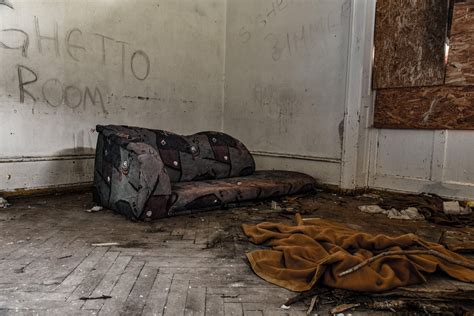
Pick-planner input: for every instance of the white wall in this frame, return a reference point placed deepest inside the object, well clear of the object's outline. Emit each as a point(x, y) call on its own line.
point(286, 68)
point(285, 91)
point(424, 161)
point(299, 100)
point(155, 63)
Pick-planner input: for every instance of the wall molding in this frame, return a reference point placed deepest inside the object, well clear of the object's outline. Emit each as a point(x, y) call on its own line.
point(361, 25)
point(47, 190)
point(295, 156)
point(45, 158)
point(92, 156)
point(447, 189)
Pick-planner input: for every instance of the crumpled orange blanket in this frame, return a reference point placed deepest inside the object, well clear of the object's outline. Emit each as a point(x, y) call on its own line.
point(318, 250)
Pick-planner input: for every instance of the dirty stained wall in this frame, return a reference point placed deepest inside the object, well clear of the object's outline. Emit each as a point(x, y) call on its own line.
point(69, 65)
point(286, 67)
point(161, 64)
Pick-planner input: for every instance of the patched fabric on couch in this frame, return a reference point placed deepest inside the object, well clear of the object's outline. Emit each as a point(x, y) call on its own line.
point(148, 174)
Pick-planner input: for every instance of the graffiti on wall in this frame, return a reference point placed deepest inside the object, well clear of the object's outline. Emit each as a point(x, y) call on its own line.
point(77, 47)
point(6, 3)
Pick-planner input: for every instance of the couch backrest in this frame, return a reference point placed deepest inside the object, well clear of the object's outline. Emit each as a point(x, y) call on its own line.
point(202, 156)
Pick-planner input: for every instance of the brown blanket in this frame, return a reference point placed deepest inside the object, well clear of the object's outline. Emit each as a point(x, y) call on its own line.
point(317, 251)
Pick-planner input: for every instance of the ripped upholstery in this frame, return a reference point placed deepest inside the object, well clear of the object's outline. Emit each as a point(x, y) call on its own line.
point(148, 174)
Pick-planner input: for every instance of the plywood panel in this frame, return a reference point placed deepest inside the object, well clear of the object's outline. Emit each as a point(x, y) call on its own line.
point(460, 70)
point(410, 38)
point(463, 17)
point(440, 107)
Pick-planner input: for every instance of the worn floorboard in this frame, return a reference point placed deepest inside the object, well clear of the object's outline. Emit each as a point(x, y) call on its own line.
point(193, 265)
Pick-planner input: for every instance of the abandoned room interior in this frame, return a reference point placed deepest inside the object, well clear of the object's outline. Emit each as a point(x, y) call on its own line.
point(236, 157)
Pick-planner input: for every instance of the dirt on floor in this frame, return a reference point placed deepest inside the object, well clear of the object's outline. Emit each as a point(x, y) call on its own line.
point(194, 263)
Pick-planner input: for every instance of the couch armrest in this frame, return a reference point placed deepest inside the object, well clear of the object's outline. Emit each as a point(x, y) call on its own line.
point(127, 186)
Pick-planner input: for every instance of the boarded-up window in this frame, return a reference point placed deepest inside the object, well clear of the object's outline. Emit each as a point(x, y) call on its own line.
point(410, 39)
point(460, 70)
point(448, 104)
point(440, 107)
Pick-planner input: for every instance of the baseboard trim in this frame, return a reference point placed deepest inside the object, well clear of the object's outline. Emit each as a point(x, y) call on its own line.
point(45, 158)
point(295, 156)
point(59, 189)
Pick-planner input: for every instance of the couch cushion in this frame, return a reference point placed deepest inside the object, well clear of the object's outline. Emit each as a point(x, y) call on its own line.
point(190, 197)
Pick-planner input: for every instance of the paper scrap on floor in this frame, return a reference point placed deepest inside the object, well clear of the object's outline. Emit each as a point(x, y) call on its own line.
point(410, 213)
point(4, 203)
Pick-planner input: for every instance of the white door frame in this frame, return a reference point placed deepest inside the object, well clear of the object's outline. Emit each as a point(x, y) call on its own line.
point(359, 96)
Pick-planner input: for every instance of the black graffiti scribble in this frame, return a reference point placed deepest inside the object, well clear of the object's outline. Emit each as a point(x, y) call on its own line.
point(7, 3)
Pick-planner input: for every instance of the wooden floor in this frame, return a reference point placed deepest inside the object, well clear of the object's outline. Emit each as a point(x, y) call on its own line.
point(192, 265)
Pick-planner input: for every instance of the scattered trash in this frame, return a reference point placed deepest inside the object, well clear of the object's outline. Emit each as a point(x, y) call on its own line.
point(342, 308)
point(310, 218)
point(416, 305)
point(95, 209)
point(371, 196)
point(103, 297)
point(20, 270)
point(285, 307)
point(470, 203)
point(312, 305)
point(410, 213)
point(64, 257)
point(275, 206)
point(391, 305)
point(372, 209)
point(290, 210)
point(293, 199)
point(402, 301)
point(229, 296)
point(4, 203)
point(459, 240)
point(106, 244)
point(430, 206)
point(451, 207)
point(454, 208)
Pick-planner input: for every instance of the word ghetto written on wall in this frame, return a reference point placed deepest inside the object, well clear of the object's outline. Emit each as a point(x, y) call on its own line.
point(54, 92)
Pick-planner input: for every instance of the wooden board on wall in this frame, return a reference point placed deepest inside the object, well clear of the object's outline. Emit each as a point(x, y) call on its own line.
point(440, 107)
point(410, 39)
point(463, 16)
point(460, 70)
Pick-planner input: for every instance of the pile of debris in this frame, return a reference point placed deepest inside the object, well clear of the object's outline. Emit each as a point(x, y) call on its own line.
point(435, 301)
point(4, 203)
point(410, 213)
point(430, 207)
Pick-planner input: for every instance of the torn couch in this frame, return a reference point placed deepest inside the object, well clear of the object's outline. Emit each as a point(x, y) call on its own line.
point(148, 174)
